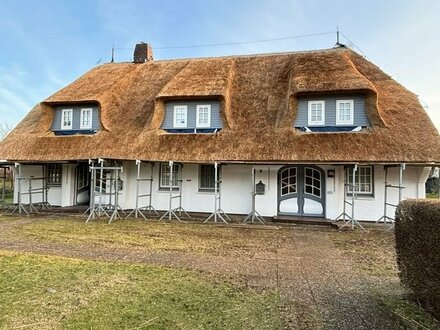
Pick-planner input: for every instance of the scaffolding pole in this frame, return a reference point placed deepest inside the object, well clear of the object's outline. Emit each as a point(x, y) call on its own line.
point(173, 212)
point(253, 216)
point(116, 207)
point(97, 210)
point(344, 215)
point(3, 178)
point(19, 207)
point(92, 187)
point(218, 212)
point(148, 181)
point(385, 217)
point(352, 220)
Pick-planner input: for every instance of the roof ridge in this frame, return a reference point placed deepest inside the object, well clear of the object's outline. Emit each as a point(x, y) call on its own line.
point(286, 53)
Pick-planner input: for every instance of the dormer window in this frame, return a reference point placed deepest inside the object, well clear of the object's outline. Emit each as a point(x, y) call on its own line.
point(66, 118)
point(203, 116)
point(199, 116)
point(344, 112)
point(86, 118)
point(331, 113)
point(316, 113)
point(180, 116)
point(72, 119)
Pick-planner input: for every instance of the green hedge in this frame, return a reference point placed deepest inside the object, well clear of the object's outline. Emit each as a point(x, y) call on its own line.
point(418, 250)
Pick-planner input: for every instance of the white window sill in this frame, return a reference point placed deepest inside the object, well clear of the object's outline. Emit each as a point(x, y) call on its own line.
point(201, 192)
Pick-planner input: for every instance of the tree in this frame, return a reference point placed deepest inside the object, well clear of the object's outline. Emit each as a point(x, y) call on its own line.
point(4, 130)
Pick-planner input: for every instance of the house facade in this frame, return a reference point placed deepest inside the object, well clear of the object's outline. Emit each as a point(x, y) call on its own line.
point(312, 134)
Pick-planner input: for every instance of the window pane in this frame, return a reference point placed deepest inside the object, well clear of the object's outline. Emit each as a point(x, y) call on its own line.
point(67, 118)
point(288, 181)
point(54, 172)
point(363, 180)
point(180, 116)
point(207, 177)
point(165, 176)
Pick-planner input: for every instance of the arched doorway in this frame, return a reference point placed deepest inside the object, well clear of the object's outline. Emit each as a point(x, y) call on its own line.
point(301, 191)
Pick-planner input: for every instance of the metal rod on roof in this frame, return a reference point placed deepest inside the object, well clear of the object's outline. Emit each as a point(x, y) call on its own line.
point(337, 35)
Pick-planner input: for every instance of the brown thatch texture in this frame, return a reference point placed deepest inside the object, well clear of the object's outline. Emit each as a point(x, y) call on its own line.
point(258, 96)
point(192, 80)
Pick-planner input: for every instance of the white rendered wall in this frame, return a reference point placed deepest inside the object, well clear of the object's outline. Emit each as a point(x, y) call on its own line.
point(54, 194)
point(236, 189)
point(372, 208)
point(68, 185)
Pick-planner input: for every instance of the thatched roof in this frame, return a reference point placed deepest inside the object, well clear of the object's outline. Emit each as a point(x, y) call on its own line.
point(258, 95)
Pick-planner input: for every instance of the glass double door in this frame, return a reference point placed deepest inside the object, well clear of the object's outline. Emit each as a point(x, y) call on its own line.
point(301, 191)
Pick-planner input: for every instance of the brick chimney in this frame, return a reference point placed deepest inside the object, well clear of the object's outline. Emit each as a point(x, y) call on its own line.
point(142, 53)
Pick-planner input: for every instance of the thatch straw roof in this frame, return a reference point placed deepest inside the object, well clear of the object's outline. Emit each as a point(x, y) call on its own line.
point(258, 95)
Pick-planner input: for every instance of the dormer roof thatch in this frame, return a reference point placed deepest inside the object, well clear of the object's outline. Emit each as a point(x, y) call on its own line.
point(258, 95)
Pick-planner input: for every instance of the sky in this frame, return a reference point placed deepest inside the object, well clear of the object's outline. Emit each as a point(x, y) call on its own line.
point(47, 44)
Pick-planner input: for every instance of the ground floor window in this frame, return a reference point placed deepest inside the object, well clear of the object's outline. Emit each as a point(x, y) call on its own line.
point(101, 182)
point(83, 177)
point(54, 174)
point(207, 177)
point(164, 175)
point(364, 183)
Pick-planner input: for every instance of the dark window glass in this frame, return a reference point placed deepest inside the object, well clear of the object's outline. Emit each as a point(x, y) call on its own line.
point(207, 178)
point(54, 174)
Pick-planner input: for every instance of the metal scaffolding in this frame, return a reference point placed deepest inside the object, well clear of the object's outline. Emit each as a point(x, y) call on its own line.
point(109, 184)
point(385, 217)
point(253, 216)
point(172, 212)
point(218, 212)
point(3, 179)
point(31, 192)
point(350, 201)
point(148, 182)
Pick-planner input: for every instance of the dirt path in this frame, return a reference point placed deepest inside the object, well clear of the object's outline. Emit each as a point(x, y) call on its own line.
point(319, 287)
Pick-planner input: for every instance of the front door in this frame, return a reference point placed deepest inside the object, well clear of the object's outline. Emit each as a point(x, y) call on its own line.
point(301, 191)
point(82, 184)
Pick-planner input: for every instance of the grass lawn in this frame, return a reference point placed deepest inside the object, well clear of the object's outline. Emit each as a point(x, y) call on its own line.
point(8, 197)
point(40, 292)
point(140, 235)
point(373, 252)
point(432, 195)
point(103, 295)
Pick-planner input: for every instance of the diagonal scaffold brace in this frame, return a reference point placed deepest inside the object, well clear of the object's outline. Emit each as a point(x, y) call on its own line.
point(218, 213)
point(254, 216)
point(142, 210)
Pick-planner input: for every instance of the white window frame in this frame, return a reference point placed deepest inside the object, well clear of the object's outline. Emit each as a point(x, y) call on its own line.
point(345, 122)
point(180, 125)
point(358, 191)
point(83, 110)
point(309, 110)
point(62, 119)
point(198, 108)
point(177, 175)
